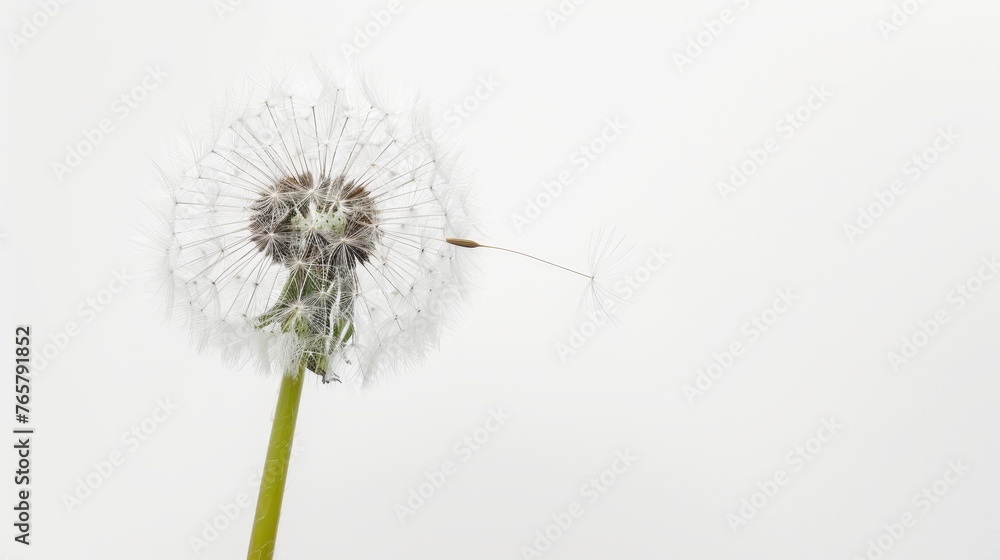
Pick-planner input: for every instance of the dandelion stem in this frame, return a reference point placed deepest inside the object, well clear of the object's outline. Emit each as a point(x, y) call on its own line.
point(279, 451)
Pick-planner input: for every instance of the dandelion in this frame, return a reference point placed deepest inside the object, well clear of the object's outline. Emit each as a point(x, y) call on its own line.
point(309, 229)
point(316, 228)
point(306, 233)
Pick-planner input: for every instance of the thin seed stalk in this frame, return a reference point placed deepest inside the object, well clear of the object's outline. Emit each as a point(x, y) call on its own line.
point(279, 451)
point(300, 284)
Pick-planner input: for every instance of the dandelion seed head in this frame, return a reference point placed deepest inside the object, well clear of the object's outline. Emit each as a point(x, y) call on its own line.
point(309, 224)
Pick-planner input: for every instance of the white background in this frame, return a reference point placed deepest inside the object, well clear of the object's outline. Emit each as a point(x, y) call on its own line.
point(623, 389)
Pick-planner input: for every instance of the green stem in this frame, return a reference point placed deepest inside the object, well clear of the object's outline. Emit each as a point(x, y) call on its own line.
point(272, 483)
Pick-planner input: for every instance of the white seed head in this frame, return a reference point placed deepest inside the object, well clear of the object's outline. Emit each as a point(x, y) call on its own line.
point(310, 224)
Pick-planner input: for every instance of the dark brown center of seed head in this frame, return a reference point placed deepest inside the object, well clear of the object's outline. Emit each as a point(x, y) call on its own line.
point(304, 221)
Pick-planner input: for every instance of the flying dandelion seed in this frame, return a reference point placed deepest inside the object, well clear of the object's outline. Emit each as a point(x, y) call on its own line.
point(609, 253)
point(309, 228)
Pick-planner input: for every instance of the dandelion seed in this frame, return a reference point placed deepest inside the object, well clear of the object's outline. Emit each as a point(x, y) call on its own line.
point(609, 252)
